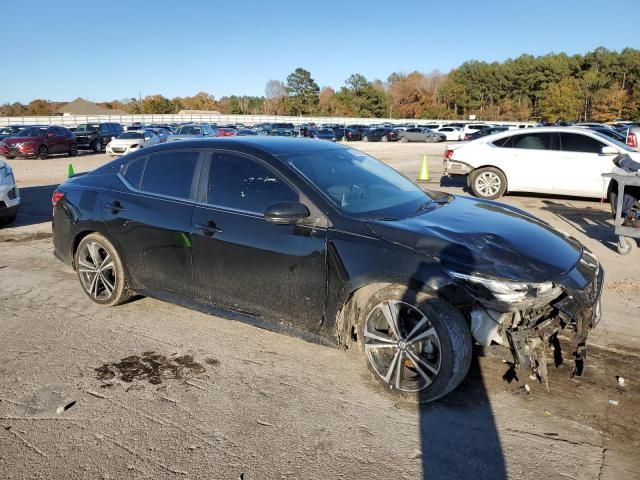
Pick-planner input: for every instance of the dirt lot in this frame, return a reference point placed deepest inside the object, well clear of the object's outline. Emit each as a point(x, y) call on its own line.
point(153, 390)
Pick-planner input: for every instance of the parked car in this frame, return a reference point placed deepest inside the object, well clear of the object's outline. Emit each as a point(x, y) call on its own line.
point(483, 132)
point(9, 194)
point(247, 131)
point(347, 134)
point(382, 134)
point(470, 128)
point(162, 133)
point(11, 130)
point(452, 133)
point(556, 160)
point(95, 136)
point(131, 141)
point(611, 133)
point(420, 135)
point(278, 129)
point(39, 142)
point(227, 132)
point(335, 245)
point(361, 129)
point(324, 134)
point(191, 131)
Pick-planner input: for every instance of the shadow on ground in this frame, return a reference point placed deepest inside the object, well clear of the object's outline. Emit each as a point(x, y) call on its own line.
point(594, 222)
point(35, 205)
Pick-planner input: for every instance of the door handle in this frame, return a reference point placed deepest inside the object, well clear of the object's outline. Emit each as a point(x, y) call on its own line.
point(208, 228)
point(115, 207)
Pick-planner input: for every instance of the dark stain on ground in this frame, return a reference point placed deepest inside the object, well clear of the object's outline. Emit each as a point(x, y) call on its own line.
point(27, 238)
point(212, 361)
point(150, 366)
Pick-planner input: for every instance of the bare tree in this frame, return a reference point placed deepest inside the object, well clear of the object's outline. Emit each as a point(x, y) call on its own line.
point(275, 93)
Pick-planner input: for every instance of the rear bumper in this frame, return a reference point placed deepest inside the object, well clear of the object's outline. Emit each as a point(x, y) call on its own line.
point(8, 212)
point(454, 167)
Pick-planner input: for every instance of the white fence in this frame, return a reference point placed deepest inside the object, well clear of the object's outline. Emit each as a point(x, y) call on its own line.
point(74, 120)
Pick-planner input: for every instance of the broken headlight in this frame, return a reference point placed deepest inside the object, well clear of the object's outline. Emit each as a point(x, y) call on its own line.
point(502, 290)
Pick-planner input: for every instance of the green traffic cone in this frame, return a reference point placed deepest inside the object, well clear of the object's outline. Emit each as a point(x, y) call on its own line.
point(424, 171)
point(71, 173)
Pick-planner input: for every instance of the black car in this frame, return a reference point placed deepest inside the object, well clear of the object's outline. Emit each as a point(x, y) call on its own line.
point(483, 132)
point(95, 136)
point(323, 134)
point(382, 134)
point(278, 129)
point(347, 134)
point(323, 241)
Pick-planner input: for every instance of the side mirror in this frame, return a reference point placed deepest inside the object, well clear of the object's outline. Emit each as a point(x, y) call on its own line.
point(607, 150)
point(286, 213)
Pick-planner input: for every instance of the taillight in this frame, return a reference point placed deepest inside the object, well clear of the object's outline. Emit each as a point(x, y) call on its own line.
point(632, 140)
point(448, 154)
point(56, 197)
point(467, 137)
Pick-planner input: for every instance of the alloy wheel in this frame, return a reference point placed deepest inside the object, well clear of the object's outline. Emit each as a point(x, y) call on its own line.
point(97, 271)
point(402, 346)
point(488, 184)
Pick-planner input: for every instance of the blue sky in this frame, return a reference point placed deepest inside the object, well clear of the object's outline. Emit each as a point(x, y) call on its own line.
point(73, 48)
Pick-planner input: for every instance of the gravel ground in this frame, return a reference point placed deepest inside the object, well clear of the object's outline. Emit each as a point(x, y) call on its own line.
point(153, 390)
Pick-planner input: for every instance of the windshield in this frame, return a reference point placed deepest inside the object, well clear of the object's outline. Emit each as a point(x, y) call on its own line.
point(359, 184)
point(32, 132)
point(618, 144)
point(188, 130)
point(129, 135)
point(87, 127)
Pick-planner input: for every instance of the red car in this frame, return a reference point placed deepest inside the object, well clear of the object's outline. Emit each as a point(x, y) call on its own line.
point(227, 132)
point(39, 142)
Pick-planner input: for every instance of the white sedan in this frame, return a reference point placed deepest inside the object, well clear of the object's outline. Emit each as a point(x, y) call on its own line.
point(556, 160)
point(9, 194)
point(453, 134)
point(131, 141)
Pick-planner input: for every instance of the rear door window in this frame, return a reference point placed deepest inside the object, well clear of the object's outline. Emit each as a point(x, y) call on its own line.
point(132, 171)
point(575, 142)
point(171, 173)
point(241, 183)
point(529, 141)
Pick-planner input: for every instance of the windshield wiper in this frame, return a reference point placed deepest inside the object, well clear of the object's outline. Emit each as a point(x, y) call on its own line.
point(431, 203)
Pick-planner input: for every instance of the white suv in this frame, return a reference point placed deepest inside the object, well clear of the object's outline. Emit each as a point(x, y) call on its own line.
point(556, 160)
point(9, 194)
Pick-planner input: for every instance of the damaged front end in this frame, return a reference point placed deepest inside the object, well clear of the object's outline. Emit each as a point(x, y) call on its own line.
point(527, 317)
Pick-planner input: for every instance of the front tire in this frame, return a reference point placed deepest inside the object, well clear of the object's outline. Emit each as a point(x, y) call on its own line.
point(488, 183)
point(416, 345)
point(384, 139)
point(43, 152)
point(97, 146)
point(100, 271)
point(73, 150)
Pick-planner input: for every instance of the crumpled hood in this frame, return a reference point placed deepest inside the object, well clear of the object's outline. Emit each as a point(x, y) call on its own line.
point(477, 236)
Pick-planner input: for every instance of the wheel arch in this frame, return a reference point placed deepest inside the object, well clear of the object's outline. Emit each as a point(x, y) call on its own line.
point(358, 294)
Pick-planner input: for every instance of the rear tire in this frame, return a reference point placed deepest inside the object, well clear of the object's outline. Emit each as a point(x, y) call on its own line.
point(384, 139)
point(8, 220)
point(100, 271)
point(404, 140)
point(73, 150)
point(488, 183)
point(9, 157)
point(430, 354)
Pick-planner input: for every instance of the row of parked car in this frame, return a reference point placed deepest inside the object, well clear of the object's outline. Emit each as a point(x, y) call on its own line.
point(40, 141)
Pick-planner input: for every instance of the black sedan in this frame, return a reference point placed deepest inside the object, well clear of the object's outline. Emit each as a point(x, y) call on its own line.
point(382, 134)
point(323, 241)
point(483, 132)
point(347, 134)
point(420, 135)
point(323, 134)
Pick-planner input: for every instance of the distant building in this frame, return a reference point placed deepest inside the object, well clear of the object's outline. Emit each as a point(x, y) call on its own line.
point(199, 112)
point(82, 107)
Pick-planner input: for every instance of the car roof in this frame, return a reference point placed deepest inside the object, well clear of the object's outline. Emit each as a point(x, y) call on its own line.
point(272, 145)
